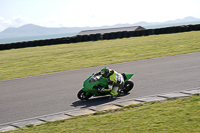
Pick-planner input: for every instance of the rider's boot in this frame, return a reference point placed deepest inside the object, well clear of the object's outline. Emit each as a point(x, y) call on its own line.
point(114, 94)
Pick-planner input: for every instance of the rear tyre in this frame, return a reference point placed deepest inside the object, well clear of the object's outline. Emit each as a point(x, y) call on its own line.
point(82, 95)
point(128, 86)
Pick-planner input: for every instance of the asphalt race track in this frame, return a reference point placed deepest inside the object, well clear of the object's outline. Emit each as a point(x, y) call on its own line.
point(34, 96)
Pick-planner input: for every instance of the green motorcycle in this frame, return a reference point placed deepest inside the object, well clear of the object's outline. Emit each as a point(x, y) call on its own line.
point(92, 85)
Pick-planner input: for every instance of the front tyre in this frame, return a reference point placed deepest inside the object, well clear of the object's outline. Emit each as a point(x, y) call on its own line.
point(128, 86)
point(82, 95)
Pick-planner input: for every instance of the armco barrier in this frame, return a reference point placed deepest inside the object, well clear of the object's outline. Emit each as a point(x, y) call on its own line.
point(78, 38)
point(65, 40)
point(167, 30)
point(144, 32)
point(32, 43)
point(150, 31)
point(131, 33)
point(157, 31)
point(53, 41)
point(24, 44)
point(125, 34)
point(8, 46)
point(106, 36)
point(170, 30)
point(119, 35)
point(28, 44)
point(58, 41)
point(162, 31)
point(11, 45)
point(2, 46)
point(194, 27)
point(112, 35)
point(138, 33)
point(37, 43)
point(92, 37)
point(21, 44)
point(68, 40)
point(180, 29)
point(98, 36)
point(197, 27)
point(85, 38)
point(147, 32)
point(45, 42)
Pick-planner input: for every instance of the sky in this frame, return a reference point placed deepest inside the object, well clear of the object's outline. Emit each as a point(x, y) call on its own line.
point(93, 13)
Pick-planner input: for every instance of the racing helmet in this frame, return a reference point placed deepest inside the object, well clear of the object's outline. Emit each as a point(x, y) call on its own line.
point(105, 72)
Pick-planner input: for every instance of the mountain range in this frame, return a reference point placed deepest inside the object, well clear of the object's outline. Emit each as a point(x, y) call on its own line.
point(35, 30)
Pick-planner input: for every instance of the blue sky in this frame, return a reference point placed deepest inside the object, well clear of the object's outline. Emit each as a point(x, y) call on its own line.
point(80, 13)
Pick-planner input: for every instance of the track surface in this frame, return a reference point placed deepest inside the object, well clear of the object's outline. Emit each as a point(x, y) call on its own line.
point(34, 96)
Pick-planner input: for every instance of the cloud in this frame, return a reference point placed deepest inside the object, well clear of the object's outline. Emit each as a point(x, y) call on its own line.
point(3, 23)
point(19, 20)
point(15, 21)
point(49, 22)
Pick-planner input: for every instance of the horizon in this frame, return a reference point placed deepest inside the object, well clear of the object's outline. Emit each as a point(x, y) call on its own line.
point(90, 13)
point(60, 35)
point(149, 23)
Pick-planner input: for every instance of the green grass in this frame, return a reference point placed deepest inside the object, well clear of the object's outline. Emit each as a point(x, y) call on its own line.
point(31, 61)
point(179, 115)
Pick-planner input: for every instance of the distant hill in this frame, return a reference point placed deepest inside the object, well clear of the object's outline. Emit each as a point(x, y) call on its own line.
point(35, 30)
point(184, 21)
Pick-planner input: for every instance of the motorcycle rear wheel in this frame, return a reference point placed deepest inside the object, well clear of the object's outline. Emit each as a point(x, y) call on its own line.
point(128, 86)
point(82, 95)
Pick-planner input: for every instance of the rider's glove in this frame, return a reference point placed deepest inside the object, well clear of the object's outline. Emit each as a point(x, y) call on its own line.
point(101, 89)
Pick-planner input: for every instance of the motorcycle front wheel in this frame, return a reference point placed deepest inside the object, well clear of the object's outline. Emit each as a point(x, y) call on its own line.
point(82, 95)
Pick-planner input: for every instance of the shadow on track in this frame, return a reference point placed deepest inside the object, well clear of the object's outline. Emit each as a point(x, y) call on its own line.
point(95, 101)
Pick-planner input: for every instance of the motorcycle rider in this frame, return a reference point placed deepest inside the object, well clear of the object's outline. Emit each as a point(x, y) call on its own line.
point(115, 81)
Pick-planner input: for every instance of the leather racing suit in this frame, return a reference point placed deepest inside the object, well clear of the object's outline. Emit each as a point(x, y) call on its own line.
point(115, 81)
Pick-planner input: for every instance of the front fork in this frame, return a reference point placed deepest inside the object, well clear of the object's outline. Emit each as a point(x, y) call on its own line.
point(86, 91)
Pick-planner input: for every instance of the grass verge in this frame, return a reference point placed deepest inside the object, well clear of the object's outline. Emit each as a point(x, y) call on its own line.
point(173, 115)
point(31, 61)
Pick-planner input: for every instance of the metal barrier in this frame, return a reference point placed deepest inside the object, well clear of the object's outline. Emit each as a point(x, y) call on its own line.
point(98, 36)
